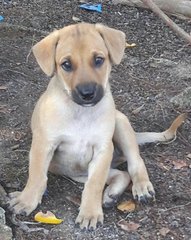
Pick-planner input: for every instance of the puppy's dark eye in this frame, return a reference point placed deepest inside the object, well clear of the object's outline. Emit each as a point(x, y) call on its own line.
point(98, 61)
point(67, 65)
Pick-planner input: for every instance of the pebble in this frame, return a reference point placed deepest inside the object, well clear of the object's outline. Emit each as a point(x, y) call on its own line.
point(5, 231)
point(183, 99)
point(174, 224)
point(2, 216)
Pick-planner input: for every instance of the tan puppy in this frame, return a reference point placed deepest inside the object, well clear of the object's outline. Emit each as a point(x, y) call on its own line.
point(75, 121)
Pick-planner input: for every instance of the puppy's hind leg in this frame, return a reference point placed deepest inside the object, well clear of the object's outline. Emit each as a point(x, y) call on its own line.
point(117, 182)
point(125, 139)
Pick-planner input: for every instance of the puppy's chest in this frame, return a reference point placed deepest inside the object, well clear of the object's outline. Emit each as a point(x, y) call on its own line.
point(81, 137)
point(77, 145)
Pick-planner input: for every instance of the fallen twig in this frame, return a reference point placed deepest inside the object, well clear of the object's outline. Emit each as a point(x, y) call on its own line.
point(22, 28)
point(178, 8)
point(167, 20)
point(23, 225)
point(14, 71)
point(178, 206)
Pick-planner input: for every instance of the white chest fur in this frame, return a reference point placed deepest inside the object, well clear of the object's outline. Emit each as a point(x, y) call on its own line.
point(82, 131)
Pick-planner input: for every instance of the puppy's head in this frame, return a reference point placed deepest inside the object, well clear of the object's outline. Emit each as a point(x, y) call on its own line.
point(81, 56)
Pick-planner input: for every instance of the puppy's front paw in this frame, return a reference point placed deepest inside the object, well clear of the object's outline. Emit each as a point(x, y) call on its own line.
point(143, 191)
point(89, 218)
point(22, 202)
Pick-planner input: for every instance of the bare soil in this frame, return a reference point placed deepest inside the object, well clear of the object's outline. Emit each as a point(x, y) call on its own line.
point(150, 74)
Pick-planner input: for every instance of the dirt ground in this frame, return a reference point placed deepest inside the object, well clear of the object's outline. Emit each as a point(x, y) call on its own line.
point(150, 74)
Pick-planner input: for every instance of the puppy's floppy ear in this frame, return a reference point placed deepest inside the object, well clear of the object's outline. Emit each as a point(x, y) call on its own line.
point(44, 52)
point(114, 41)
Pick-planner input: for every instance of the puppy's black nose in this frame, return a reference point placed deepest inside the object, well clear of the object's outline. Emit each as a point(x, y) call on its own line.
point(86, 91)
point(87, 94)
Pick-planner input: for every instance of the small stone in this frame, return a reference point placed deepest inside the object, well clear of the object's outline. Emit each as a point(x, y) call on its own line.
point(6, 232)
point(3, 196)
point(183, 99)
point(76, 19)
point(2, 216)
point(174, 224)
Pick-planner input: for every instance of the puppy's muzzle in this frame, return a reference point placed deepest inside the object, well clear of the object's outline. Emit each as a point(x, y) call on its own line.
point(87, 94)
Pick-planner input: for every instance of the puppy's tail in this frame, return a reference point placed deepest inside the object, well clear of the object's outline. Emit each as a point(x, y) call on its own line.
point(165, 136)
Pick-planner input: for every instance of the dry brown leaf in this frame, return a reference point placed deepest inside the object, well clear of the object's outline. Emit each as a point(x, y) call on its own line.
point(3, 109)
point(127, 206)
point(164, 231)
point(178, 164)
point(128, 226)
point(3, 87)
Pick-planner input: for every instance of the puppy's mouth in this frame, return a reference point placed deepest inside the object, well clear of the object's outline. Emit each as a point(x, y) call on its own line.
point(87, 94)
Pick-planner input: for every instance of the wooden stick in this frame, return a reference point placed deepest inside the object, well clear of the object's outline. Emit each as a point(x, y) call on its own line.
point(167, 20)
point(178, 8)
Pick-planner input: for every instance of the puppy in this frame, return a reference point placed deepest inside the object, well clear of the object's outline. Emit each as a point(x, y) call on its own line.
point(76, 128)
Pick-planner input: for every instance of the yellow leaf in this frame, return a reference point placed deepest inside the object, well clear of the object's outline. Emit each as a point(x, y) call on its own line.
point(127, 206)
point(128, 45)
point(48, 218)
